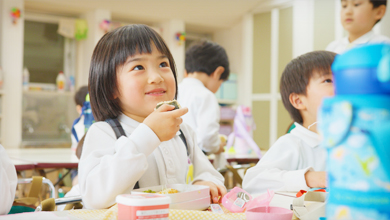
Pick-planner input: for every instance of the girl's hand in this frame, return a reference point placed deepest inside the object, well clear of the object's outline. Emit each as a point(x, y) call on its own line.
point(315, 179)
point(216, 191)
point(165, 122)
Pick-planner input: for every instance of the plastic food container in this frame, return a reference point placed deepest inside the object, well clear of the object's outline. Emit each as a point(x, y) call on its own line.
point(189, 197)
point(152, 206)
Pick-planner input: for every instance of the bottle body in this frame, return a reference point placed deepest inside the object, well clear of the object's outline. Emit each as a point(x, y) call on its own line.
point(355, 130)
point(60, 81)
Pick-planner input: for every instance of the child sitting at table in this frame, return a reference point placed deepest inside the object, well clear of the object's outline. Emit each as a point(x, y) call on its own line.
point(358, 19)
point(131, 71)
point(8, 182)
point(296, 161)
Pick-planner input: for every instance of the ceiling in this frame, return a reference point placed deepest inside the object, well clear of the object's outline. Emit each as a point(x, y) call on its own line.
point(202, 16)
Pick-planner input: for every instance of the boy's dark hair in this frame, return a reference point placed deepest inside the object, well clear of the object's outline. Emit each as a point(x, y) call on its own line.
point(80, 95)
point(111, 52)
point(376, 4)
point(206, 56)
point(297, 74)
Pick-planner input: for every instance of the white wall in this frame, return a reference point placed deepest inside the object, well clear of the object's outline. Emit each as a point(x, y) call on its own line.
point(231, 40)
point(12, 64)
point(86, 47)
point(238, 43)
point(385, 22)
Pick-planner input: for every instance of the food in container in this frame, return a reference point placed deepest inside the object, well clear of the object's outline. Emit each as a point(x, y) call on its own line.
point(143, 206)
point(189, 197)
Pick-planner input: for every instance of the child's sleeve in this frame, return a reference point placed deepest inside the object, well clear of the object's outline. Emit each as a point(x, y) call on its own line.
point(203, 169)
point(207, 118)
point(277, 170)
point(8, 182)
point(109, 166)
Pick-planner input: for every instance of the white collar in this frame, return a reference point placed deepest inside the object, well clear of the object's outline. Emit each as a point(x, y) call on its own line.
point(362, 39)
point(126, 120)
point(310, 138)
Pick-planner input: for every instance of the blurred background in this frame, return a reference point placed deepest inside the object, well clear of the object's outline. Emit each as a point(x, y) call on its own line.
point(41, 38)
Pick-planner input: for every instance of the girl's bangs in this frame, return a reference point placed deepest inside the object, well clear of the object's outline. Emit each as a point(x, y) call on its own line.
point(138, 40)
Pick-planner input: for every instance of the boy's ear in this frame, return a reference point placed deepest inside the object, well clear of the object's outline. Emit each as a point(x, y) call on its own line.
point(217, 72)
point(296, 101)
point(380, 12)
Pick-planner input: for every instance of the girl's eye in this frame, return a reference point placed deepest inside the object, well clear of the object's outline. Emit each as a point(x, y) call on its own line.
point(164, 64)
point(357, 4)
point(139, 67)
point(328, 81)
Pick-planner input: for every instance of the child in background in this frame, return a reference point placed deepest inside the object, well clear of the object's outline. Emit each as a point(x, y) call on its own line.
point(8, 182)
point(79, 98)
point(207, 66)
point(358, 17)
point(131, 71)
point(296, 161)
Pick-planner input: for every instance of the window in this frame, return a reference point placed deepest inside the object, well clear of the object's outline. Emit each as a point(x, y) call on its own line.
point(43, 51)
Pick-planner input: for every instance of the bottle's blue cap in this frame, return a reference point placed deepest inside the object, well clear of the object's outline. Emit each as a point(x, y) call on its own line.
point(363, 70)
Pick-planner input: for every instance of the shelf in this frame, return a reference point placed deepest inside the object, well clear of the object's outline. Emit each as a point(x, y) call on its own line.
point(46, 92)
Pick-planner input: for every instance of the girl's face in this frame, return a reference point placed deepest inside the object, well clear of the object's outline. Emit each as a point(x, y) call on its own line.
point(143, 81)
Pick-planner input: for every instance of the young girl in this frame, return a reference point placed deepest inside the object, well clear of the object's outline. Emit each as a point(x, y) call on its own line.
point(131, 71)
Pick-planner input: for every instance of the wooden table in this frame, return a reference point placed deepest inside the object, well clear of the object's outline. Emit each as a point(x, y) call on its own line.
point(42, 158)
point(238, 158)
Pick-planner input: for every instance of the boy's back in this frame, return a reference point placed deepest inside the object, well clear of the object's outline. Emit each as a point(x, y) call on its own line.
point(203, 115)
point(207, 66)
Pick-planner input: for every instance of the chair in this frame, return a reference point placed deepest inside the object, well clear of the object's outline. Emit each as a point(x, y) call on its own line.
point(290, 127)
point(234, 169)
point(50, 204)
point(29, 203)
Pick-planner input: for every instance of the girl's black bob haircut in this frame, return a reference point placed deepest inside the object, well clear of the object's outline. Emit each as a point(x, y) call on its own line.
point(110, 53)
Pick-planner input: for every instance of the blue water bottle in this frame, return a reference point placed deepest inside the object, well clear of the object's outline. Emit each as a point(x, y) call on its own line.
point(355, 127)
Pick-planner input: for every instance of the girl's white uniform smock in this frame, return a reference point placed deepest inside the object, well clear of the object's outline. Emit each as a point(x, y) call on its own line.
point(8, 182)
point(110, 166)
point(284, 166)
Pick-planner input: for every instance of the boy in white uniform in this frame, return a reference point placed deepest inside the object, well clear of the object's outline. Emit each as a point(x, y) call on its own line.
point(358, 17)
point(207, 66)
point(296, 161)
point(8, 182)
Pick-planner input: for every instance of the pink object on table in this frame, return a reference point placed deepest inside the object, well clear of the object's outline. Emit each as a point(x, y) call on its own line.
point(268, 213)
point(236, 200)
point(142, 206)
point(259, 208)
point(262, 200)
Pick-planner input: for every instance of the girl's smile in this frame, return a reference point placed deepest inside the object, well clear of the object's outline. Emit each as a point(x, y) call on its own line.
point(156, 92)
